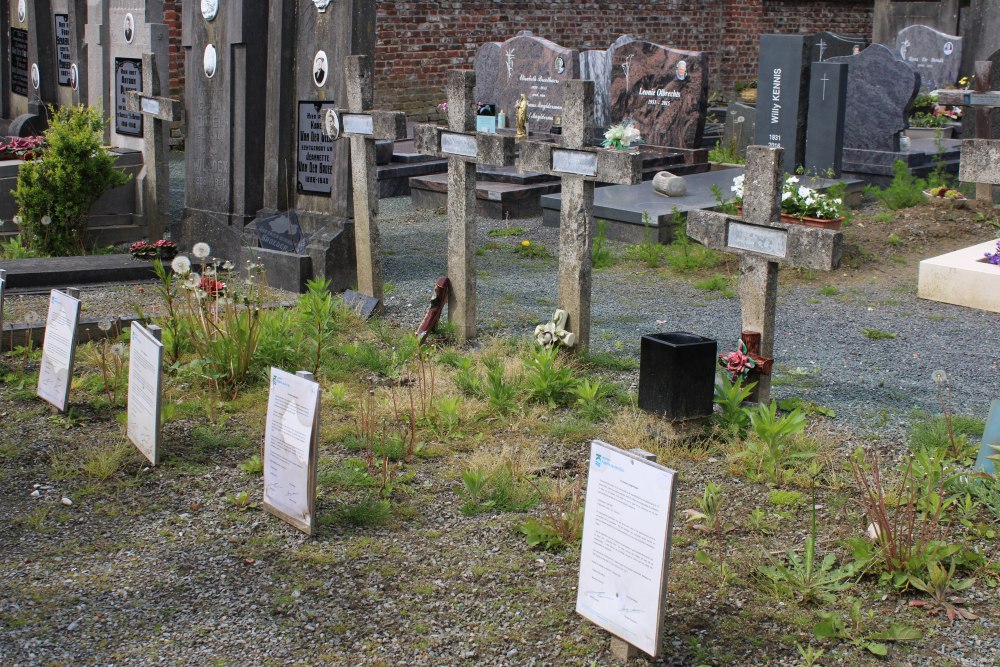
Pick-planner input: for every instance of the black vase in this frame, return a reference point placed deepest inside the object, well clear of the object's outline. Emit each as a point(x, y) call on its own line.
point(677, 374)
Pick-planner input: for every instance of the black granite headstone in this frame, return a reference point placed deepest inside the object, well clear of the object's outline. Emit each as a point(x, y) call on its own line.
point(19, 61)
point(279, 232)
point(782, 86)
point(828, 45)
point(880, 92)
point(128, 76)
point(362, 304)
point(827, 113)
point(935, 55)
point(739, 130)
point(63, 57)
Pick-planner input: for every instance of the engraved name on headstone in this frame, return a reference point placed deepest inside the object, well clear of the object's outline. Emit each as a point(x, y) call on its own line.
point(63, 56)
point(782, 95)
point(128, 77)
point(315, 150)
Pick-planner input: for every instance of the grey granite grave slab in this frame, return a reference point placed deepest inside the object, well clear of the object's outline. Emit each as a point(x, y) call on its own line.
point(827, 114)
point(66, 271)
point(664, 91)
point(739, 129)
point(828, 45)
point(622, 206)
point(538, 68)
point(923, 157)
point(937, 56)
point(880, 92)
point(485, 64)
point(783, 95)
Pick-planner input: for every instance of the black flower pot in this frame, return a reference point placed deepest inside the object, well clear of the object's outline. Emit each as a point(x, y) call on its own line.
point(677, 374)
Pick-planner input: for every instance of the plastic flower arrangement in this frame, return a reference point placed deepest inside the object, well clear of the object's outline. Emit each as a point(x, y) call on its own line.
point(622, 136)
point(798, 201)
point(738, 363)
point(23, 148)
point(994, 257)
point(163, 250)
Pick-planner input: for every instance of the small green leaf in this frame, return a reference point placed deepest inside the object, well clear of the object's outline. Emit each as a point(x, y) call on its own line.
point(878, 649)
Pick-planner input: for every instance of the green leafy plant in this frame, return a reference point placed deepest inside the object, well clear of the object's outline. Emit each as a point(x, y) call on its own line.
point(15, 249)
point(600, 255)
point(500, 393)
point(709, 513)
point(730, 395)
point(774, 448)
point(940, 585)
point(877, 334)
point(562, 523)
point(447, 415)
point(833, 627)
point(532, 250)
point(503, 232)
point(590, 399)
point(55, 193)
point(649, 252)
point(810, 656)
point(682, 255)
point(548, 381)
point(727, 153)
point(322, 316)
point(904, 191)
point(253, 465)
point(723, 204)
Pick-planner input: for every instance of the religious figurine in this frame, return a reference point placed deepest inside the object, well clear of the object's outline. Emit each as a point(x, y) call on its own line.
point(522, 118)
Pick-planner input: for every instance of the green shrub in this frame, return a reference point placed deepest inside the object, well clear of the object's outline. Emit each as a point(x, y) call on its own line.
point(904, 191)
point(55, 192)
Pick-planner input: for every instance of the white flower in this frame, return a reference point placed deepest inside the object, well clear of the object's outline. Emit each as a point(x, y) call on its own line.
point(18, 220)
point(46, 220)
point(118, 349)
point(227, 266)
point(792, 179)
point(192, 281)
point(785, 195)
point(632, 135)
point(181, 265)
point(201, 250)
point(104, 325)
point(939, 376)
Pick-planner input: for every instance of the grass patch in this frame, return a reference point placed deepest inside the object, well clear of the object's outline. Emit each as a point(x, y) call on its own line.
point(504, 232)
point(829, 290)
point(877, 334)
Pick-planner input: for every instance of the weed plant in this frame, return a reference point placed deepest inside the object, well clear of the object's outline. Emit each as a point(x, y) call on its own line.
point(548, 381)
point(601, 257)
point(905, 190)
point(649, 252)
point(775, 447)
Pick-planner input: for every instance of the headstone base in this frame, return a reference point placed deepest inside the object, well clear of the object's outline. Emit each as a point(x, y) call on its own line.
point(923, 157)
point(960, 278)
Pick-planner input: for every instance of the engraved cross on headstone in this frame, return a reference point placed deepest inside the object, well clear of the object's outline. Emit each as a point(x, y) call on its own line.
point(983, 101)
point(464, 149)
point(763, 242)
point(579, 167)
point(364, 126)
point(155, 151)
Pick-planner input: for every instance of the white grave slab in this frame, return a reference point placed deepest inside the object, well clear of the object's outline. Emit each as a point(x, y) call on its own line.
point(59, 349)
point(626, 545)
point(290, 449)
point(960, 278)
point(145, 364)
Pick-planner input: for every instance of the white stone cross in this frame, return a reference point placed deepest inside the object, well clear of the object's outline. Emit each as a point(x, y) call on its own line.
point(763, 242)
point(579, 167)
point(464, 149)
point(364, 127)
point(155, 151)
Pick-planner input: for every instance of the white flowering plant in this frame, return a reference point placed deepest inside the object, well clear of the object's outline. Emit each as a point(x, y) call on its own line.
point(799, 201)
point(622, 136)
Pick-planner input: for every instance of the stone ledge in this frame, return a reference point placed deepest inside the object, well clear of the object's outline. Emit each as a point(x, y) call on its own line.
point(959, 278)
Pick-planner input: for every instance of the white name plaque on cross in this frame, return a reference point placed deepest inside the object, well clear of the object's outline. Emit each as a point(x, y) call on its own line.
point(626, 545)
point(149, 105)
point(574, 162)
point(358, 124)
point(764, 240)
point(459, 144)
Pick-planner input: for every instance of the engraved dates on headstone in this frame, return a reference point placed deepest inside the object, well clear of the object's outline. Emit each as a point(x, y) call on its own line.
point(19, 61)
point(315, 150)
point(937, 56)
point(128, 76)
point(63, 56)
point(782, 95)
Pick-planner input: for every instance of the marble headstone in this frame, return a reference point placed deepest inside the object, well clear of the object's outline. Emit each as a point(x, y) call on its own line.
point(828, 45)
point(880, 92)
point(827, 113)
point(782, 95)
point(596, 66)
point(134, 29)
point(225, 57)
point(486, 62)
point(739, 129)
point(538, 68)
point(665, 91)
point(937, 56)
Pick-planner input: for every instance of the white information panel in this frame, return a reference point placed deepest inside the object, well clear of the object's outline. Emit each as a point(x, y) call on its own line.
point(626, 545)
point(574, 162)
point(59, 349)
point(290, 444)
point(459, 144)
point(765, 240)
point(358, 124)
point(145, 363)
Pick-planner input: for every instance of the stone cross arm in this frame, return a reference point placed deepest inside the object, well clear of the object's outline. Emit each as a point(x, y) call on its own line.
point(161, 108)
point(980, 161)
point(967, 98)
point(783, 243)
point(606, 166)
point(482, 148)
point(377, 125)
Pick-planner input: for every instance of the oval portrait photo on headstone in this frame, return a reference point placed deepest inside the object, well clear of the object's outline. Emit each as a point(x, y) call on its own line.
point(331, 124)
point(320, 68)
point(128, 28)
point(210, 61)
point(74, 77)
point(321, 5)
point(35, 78)
point(22, 10)
point(209, 8)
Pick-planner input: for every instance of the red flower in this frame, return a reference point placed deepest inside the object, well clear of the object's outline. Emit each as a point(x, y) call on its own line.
point(211, 286)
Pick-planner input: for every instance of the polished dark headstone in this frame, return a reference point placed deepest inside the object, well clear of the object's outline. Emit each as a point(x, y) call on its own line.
point(828, 45)
point(279, 232)
point(364, 305)
point(937, 56)
point(538, 68)
point(782, 95)
point(677, 374)
point(827, 113)
point(663, 90)
point(880, 92)
point(739, 131)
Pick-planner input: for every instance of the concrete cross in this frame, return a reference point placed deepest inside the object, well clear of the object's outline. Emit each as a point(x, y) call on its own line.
point(155, 150)
point(364, 127)
point(579, 167)
point(763, 242)
point(977, 150)
point(464, 149)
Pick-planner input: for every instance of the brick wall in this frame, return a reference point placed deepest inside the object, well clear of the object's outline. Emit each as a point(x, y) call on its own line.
point(420, 40)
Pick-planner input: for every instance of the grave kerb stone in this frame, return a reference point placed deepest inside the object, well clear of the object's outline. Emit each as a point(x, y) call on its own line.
point(763, 242)
point(464, 149)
